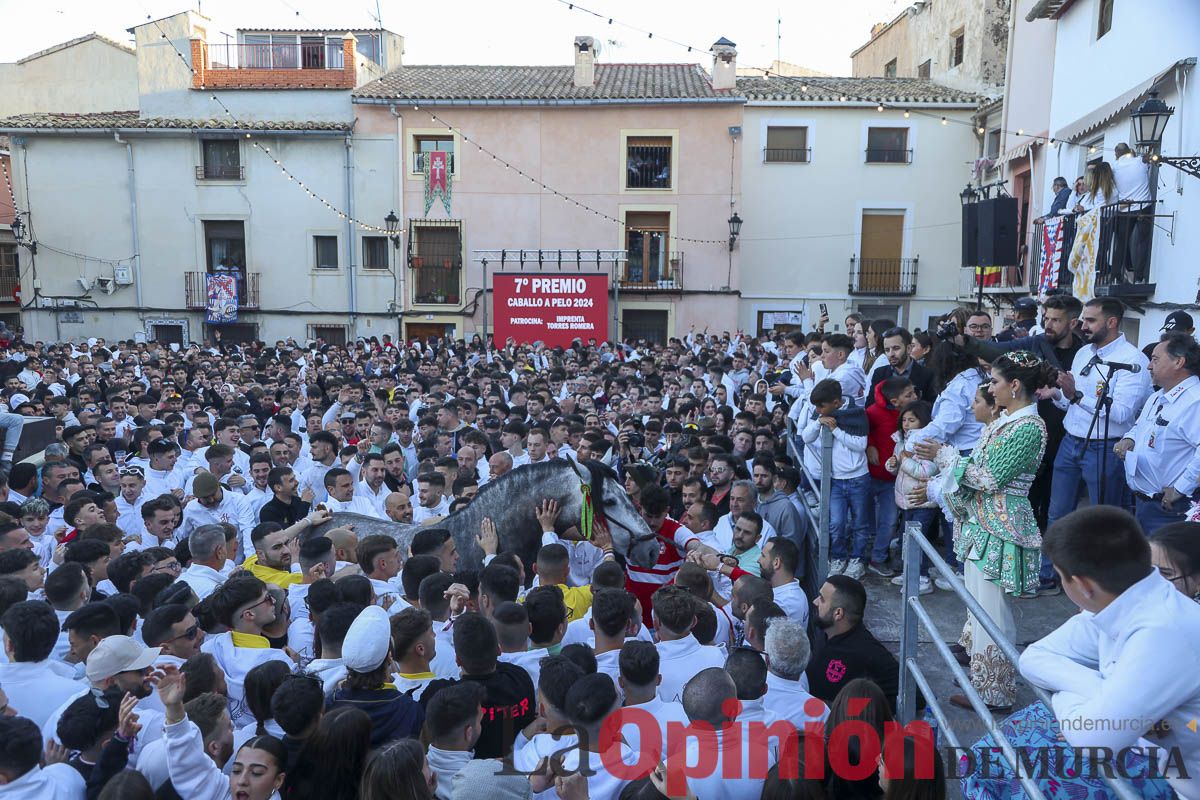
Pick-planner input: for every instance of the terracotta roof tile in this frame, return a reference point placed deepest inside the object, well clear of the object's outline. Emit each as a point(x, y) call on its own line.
point(130, 119)
point(893, 90)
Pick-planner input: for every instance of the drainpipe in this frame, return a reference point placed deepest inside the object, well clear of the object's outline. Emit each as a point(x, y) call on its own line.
point(350, 239)
point(398, 197)
point(133, 219)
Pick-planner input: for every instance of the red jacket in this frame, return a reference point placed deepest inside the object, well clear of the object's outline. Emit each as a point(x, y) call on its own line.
point(882, 420)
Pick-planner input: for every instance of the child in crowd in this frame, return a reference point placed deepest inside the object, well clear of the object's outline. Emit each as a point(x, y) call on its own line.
point(35, 517)
point(914, 473)
point(849, 502)
point(882, 415)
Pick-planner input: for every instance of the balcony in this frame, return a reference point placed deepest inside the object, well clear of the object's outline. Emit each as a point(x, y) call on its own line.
point(883, 276)
point(300, 65)
point(885, 155)
point(1123, 252)
point(787, 155)
point(220, 172)
point(1059, 276)
point(196, 293)
point(651, 276)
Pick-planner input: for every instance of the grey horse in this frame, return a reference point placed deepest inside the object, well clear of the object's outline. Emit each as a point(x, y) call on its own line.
point(511, 503)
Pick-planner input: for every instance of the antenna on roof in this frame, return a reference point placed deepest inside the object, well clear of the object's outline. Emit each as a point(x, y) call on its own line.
point(778, 35)
point(377, 16)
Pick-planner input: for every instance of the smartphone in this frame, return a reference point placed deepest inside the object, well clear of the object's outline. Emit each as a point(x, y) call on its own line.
point(824, 310)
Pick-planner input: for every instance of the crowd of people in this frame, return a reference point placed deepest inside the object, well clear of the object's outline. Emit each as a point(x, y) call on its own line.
point(181, 617)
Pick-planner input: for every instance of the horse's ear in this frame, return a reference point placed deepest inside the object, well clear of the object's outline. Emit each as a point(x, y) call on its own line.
point(584, 474)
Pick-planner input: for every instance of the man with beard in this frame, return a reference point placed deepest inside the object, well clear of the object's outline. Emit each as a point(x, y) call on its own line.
point(777, 564)
point(845, 649)
point(900, 364)
point(394, 467)
point(398, 508)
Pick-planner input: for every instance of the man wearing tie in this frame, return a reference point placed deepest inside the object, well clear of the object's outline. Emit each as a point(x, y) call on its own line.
point(1078, 393)
point(1162, 450)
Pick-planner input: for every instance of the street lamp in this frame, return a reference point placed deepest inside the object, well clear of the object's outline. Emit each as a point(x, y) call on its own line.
point(735, 228)
point(1149, 123)
point(393, 228)
point(18, 229)
point(968, 196)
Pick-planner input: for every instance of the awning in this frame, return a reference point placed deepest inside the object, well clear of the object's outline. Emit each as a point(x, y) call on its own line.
point(1119, 105)
point(1013, 153)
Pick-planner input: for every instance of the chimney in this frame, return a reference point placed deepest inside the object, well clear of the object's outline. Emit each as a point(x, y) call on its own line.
point(724, 71)
point(586, 51)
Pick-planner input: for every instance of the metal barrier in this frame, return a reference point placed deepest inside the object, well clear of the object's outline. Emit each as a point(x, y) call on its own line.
point(913, 617)
point(818, 518)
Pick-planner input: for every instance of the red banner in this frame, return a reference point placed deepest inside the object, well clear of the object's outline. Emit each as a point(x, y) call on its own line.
point(554, 309)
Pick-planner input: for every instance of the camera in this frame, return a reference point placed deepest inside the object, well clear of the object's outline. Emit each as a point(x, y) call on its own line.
point(635, 440)
point(947, 330)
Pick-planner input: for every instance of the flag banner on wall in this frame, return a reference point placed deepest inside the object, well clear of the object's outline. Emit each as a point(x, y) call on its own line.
point(1052, 236)
point(221, 305)
point(437, 179)
point(1083, 255)
point(989, 275)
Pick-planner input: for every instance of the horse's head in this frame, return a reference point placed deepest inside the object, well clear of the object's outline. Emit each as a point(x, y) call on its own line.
point(630, 534)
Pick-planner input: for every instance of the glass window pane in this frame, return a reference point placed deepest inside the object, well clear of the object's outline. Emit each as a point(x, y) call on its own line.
point(326, 252)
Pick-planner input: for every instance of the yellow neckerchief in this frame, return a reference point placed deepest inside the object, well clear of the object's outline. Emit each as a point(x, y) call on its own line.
point(251, 640)
point(416, 676)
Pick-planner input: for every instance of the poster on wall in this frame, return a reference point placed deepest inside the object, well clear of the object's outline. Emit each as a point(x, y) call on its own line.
point(437, 179)
point(554, 309)
point(221, 305)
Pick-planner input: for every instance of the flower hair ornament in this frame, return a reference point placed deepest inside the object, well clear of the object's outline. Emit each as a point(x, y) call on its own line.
point(1023, 358)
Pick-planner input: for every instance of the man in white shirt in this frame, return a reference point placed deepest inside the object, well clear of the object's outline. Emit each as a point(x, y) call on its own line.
point(1135, 222)
point(788, 651)
point(39, 684)
point(708, 699)
point(22, 777)
point(371, 485)
point(430, 500)
point(339, 484)
point(258, 492)
point(209, 555)
point(680, 655)
point(324, 449)
point(777, 564)
point(1120, 671)
point(836, 350)
point(1078, 392)
point(213, 504)
point(639, 680)
point(743, 497)
point(162, 477)
point(1162, 450)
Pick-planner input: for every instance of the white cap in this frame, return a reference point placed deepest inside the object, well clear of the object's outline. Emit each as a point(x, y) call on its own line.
point(366, 644)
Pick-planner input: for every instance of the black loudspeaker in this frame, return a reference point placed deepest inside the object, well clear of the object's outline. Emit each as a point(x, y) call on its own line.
point(35, 435)
point(970, 235)
point(997, 242)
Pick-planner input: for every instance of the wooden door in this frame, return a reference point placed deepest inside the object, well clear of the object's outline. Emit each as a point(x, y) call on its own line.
point(423, 330)
point(879, 259)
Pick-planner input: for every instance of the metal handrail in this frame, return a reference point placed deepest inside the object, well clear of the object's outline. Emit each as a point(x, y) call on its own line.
point(913, 616)
point(820, 518)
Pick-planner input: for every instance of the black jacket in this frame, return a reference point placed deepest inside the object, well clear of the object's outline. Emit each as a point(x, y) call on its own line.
point(837, 660)
point(285, 515)
point(920, 376)
point(394, 715)
point(508, 706)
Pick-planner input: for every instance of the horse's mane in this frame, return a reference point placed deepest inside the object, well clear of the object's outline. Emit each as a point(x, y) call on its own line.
point(532, 472)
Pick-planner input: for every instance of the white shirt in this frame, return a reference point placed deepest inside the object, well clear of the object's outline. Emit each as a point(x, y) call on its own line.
point(160, 482)
point(791, 598)
point(36, 689)
point(203, 580)
point(1131, 664)
point(233, 509)
point(1132, 176)
point(715, 785)
point(257, 498)
point(377, 499)
point(314, 478)
point(1128, 390)
point(662, 712)
point(679, 661)
point(421, 513)
point(721, 537)
point(788, 700)
point(1167, 454)
point(54, 782)
point(355, 505)
point(530, 661)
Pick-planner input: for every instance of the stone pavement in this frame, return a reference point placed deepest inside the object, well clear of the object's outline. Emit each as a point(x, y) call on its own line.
point(1035, 618)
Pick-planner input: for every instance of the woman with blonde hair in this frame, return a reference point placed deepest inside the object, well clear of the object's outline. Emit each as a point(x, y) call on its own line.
point(1101, 187)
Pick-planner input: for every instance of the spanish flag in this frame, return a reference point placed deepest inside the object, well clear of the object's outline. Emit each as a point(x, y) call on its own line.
point(989, 275)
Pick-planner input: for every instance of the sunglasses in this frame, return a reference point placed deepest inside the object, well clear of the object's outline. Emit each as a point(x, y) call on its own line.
point(190, 634)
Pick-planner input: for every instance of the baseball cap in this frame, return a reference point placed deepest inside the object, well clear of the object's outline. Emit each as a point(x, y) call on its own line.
point(1178, 321)
point(1025, 304)
point(117, 654)
point(366, 644)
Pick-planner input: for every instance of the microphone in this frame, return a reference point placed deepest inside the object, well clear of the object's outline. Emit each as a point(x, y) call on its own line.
point(1114, 366)
point(1087, 370)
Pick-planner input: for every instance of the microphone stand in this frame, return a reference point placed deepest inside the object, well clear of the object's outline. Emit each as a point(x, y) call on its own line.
point(1104, 401)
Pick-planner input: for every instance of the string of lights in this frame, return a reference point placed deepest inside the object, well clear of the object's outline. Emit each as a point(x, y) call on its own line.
point(265, 150)
point(8, 185)
point(880, 104)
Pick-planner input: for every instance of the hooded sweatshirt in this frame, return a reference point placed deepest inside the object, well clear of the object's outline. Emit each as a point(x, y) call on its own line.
point(883, 420)
point(331, 671)
point(235, 661)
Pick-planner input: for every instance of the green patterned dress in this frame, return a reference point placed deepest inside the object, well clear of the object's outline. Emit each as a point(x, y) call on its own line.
point(994, 526)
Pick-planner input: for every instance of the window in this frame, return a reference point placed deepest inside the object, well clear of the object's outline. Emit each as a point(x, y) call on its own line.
point(993, 144)
point(1104, 23)
point(222, 160)
point(233, 332)
point(957, 42)
point(649, 324)
point(923, 69)
point(888, 146)
point(435, 257)
point(326, 252)
point(368, 46)
point(9, 272)
point(429, 144)
point(786, 144)
point(225, 246)
point(889, 69)
point(648, 162)
point(375, 252)
point(331, 334)
point(647, 240)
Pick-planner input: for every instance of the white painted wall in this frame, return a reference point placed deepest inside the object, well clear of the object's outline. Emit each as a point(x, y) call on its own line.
point(803, 221)
point(87, 77)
